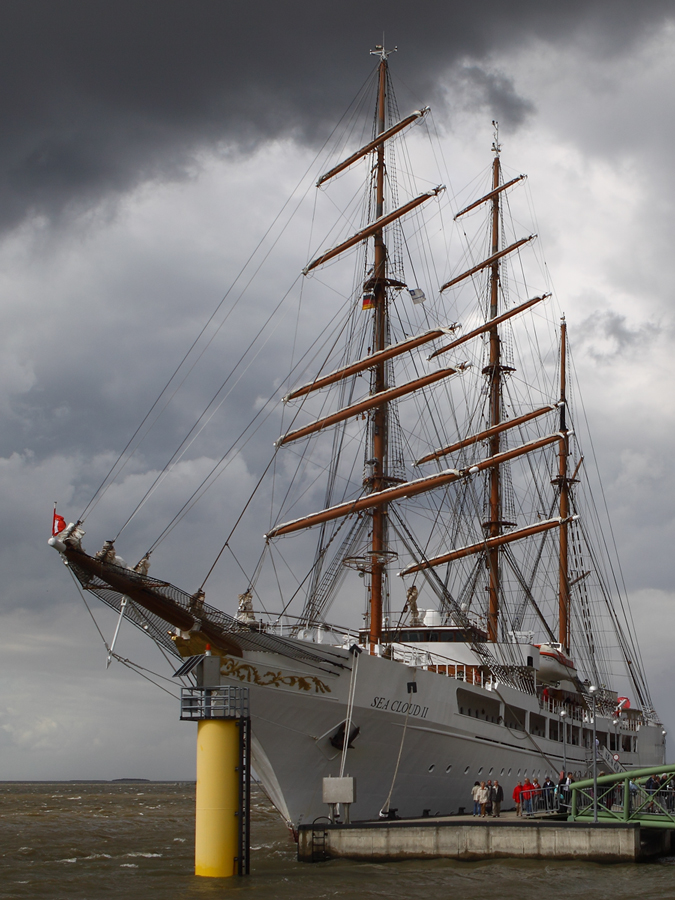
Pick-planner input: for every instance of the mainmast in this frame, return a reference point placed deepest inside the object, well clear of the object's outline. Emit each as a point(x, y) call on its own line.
point(563, 482)
point(493, 372)
point(379, 423)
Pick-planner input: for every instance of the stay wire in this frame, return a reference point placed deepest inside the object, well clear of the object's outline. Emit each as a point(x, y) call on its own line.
point(126, 662)
point(239, 518)
point(385, 807)
point(84, 600)
point(139, 670)
point(184, 445)
point(105, 484)
point(209, 478)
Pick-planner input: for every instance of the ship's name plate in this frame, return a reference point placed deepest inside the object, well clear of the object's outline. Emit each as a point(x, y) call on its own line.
point(400, 706)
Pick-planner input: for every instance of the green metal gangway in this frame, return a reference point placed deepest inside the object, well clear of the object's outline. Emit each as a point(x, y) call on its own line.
point(630, 796)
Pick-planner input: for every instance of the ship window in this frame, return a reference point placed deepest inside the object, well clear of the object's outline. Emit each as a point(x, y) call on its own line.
point(509, 773)
point(537, 725)
point(488, 711)
point(431, 768)
point(514, 718)
point(501, 774)
point(480, 770)
point(625, 743)
point(448, 769)
point(491, 770)
point(466, 771)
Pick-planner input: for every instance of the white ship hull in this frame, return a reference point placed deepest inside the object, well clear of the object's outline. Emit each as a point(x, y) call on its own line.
point(295, 709)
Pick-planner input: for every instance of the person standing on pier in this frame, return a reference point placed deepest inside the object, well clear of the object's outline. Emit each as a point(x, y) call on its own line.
point(483, 795)
point(563, 790)
point(497, 797)
point(474, 796)
point(517, 791)
point(488, 808)
point(548, 789)
point(536, 795)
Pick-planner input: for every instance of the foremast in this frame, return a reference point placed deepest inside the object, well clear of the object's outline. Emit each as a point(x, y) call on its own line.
point(380, 431)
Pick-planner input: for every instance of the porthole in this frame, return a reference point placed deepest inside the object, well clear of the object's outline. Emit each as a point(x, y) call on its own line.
point(466, 771)
point(491, 770)
point(431, 768)
point(480, 770)
point(501, 774)
point(509, 775)
point(518, 773)
point(448, 769)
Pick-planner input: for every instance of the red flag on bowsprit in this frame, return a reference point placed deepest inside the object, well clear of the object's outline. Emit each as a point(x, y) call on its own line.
point(58, 524)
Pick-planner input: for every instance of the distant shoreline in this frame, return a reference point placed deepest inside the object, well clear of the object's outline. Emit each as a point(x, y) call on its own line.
point(97, 781)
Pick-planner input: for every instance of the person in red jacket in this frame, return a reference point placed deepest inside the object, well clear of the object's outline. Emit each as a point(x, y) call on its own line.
point(526, 796)
point(516, 797)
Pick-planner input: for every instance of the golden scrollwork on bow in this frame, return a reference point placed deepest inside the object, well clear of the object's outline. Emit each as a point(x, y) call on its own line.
point(246, 672)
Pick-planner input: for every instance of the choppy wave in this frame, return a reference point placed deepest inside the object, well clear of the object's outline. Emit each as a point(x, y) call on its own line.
point(54, 849)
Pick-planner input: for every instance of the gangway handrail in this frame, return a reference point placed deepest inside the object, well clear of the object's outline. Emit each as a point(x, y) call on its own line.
point(632, 774)
point(651, 808)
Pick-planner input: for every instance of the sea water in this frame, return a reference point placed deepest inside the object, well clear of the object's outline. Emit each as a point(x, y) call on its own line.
point(135, 841)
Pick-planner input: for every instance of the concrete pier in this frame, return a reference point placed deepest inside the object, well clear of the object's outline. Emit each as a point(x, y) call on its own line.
point(467, 838)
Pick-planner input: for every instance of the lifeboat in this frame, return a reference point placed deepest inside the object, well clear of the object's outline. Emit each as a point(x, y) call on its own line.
point(554, 664)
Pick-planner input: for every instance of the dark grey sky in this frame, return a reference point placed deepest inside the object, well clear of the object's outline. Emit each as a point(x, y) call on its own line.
point(139, 168)
point(99, 96)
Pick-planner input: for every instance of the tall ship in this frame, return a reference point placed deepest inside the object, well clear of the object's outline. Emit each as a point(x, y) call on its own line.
point(428, 488)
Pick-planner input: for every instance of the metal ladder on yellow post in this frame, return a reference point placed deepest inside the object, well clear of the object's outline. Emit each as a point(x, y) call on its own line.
point(222, 821)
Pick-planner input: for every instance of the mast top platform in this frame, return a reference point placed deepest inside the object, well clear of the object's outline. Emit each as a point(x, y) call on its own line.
point(381, 52)
point(496, 146)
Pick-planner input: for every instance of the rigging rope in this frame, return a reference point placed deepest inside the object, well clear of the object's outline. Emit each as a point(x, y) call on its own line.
point(126, 662)
point(186, 443)
point(384, 812)
point(350, 709)
point(109, 479)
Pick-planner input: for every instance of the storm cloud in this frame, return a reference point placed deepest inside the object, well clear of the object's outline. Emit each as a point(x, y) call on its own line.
point(146, 146)
point(100, 96)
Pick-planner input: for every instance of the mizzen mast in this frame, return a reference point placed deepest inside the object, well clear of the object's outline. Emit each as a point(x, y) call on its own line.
point(563, 482)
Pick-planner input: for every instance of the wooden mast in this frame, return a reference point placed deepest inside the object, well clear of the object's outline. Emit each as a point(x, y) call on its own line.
point(563, 481)
point(379, 420)
point(493, 372)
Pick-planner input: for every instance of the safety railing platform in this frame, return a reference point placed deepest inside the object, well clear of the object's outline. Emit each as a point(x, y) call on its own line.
point(219, 702)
